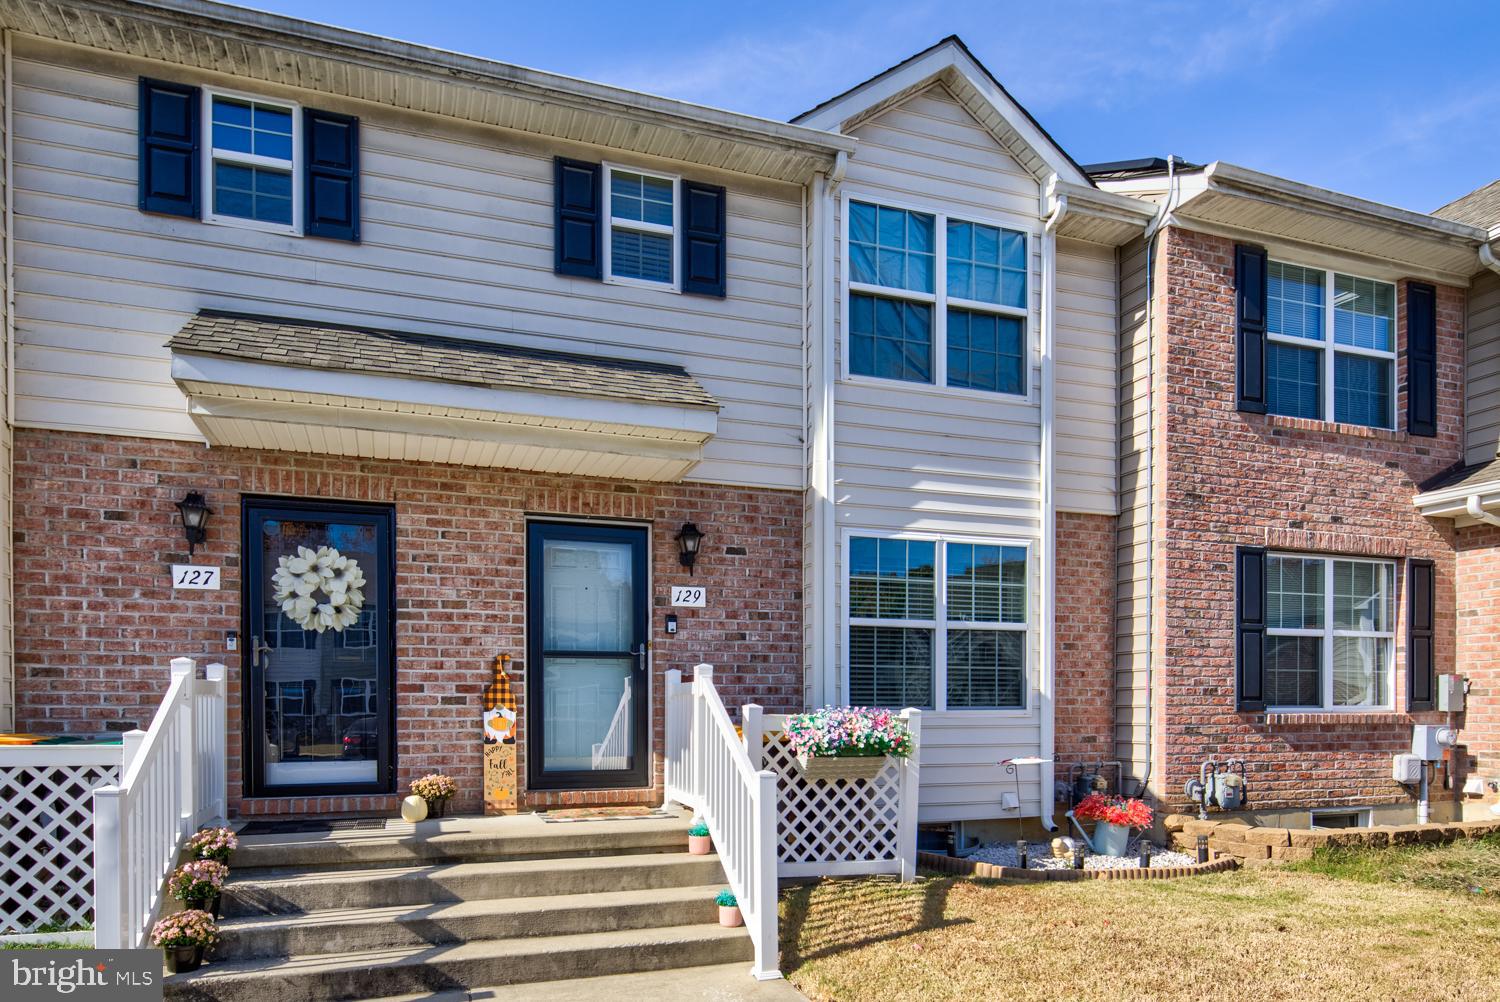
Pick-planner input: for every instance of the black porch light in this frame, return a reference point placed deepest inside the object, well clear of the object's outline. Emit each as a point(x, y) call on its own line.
point(689, 538)
point(194, 512)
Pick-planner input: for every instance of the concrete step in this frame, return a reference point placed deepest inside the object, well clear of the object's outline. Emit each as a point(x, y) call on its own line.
point(709, 983)
point(349, 930)
point(288, 892)
point(376, 974)
point(460, 840)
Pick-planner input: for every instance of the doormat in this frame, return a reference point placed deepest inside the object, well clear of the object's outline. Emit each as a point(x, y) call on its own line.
point(606, 814)
point(313, 826)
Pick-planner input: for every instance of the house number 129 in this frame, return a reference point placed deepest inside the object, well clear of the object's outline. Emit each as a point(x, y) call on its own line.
point(689, 595)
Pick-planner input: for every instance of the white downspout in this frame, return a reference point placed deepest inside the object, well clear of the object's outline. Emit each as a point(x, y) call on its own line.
point(1476, 511)
point(1048, 601)
point(1487, 256)
point(823, 443)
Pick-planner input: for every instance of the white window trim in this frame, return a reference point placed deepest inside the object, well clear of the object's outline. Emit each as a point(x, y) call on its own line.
point(250, 160)
point(1329, 632)
point(938, 299)
point(610, 224)
point(940, 625)
point(1329, 347)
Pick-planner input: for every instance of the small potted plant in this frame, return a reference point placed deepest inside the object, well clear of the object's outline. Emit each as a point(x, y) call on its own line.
point(213, 843)
point(847, 742)
point(699, 842)
point(183, 936)
point(729, 909)
point(436, 789)
point(1113, 818)
point(198, 884)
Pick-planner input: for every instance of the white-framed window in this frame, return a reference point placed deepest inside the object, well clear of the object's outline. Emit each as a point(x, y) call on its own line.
point(937, 622)
point(934, 298)
point(356, 696)
point(252, 164)
point(1340, 817)
point(1330, 346)
point(641, 245)
point(1330, 632)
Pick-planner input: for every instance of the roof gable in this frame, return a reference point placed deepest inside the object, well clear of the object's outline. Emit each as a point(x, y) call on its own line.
point(951, 63)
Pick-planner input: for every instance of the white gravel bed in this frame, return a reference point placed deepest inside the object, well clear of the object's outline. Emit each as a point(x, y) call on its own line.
point(1039, 857)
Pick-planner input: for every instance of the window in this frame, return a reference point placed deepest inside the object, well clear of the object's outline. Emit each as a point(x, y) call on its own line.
point(1330, 346)
point(910, 599)
point(936, 300)
point(1340, 818)
point(642, 242)
point(252, 162)
point(1329, 632)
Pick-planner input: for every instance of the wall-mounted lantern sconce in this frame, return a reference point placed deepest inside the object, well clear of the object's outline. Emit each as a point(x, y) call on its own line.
point(688, 541)
point(194, 512)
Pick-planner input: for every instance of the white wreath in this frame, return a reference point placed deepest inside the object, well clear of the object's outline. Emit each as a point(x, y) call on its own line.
point(298, 579)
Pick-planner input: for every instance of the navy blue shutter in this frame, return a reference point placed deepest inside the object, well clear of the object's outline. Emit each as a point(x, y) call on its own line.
point(1250, 628)
point(1421, 359)
point(330, 175)
point(1420, 683)
point(578, 238)
point(169, 148)
point(703, 240)
point(1250, 327)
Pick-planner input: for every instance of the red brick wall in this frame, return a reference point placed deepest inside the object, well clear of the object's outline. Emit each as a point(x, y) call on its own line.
point(97, 619)
point(1479, 643)
point(1232, 478)
point(1084, 641)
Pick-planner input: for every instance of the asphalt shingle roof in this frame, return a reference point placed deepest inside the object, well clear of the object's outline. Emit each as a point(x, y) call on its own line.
point(1480, 207)
point(1476, 473)
point(339, 348)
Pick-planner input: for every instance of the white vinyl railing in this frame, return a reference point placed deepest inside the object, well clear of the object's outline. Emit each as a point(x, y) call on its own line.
point(614, 751)
point(172, 780)
point(709, 770)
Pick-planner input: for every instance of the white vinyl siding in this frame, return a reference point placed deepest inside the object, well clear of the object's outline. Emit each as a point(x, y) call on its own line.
point(1133, 553)
point(1086, 379)
point(7, 499)
point(456, 239)
point(930, 461)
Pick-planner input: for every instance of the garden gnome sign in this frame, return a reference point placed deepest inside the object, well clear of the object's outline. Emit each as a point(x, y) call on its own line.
point(500, 741)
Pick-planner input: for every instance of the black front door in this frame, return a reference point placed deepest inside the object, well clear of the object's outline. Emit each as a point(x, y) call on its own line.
point(319, 714)
point(586, 656)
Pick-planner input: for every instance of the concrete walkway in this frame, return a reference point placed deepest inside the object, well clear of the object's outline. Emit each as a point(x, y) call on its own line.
point(719, 983)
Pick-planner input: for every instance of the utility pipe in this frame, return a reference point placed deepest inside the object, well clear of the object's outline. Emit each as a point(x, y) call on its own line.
point(1048, 777)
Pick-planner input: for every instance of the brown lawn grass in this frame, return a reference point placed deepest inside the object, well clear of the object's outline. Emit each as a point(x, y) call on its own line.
point(1253, 934)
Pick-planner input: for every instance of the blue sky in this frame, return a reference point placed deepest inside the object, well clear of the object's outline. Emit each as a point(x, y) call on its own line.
point(1363, 96)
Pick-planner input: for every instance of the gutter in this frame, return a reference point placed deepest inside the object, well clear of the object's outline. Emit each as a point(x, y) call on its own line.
point(219, 23)
point(1048, 688)
point(1476, 511)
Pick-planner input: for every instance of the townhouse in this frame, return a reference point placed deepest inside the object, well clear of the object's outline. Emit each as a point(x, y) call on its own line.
point(419, 360)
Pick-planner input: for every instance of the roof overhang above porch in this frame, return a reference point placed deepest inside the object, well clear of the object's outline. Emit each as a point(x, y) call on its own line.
point(1291, 217)
point(653, 429)
point(1469, 496)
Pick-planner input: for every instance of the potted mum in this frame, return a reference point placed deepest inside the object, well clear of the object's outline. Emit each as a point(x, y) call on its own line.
point(699, 842)
point(1113, 818)
point(436, 789)
point(729, 909)
point(213, 843)
point(183, 936)
point(846, 742)
point(198, 884)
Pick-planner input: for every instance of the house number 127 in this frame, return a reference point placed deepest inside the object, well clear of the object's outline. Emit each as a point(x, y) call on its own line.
point(195, 578)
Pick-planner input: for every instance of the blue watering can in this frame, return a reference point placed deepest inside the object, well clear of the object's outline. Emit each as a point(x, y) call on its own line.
point(1107, 840)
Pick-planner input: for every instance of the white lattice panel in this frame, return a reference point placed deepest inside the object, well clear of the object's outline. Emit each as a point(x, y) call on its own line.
point(47, 842)
point(842, 826)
